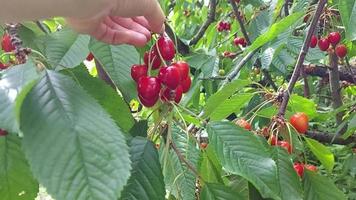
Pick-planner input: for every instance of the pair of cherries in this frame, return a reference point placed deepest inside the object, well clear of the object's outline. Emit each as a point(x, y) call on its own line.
point(240, 41)
point(223, 26)
point(170, 83)
point(332, 39)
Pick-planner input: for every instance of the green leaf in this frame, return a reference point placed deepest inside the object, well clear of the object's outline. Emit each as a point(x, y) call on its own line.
point(275, 30)
point(288, 178)
point(348, 15)
point(108, 98)
point(73, 146)
point(300, 104)
point(12, 83)
point(242, 153)
point(209, 167)
point(320, 187)
point(213, 191)
point(66, 49)
point(219, 97)
point(117, 61)
point(17, 182)
point(146, 181)
point(322, 153)
point(231, 105)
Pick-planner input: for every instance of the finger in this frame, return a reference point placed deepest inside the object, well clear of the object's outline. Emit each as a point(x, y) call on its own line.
point(155, 17)
point(131, 25)
point(143, 21)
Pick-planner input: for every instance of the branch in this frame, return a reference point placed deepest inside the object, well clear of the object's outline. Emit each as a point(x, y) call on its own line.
point(235, 8)
point(322, 71)
point(301, 58)
point(182, 48)
point(306, 84)
point(328, 138)
point(205, 26)
point(286, 8)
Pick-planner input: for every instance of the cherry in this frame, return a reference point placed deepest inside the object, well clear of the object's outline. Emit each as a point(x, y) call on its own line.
point(222, 25)
point(227, 26)
point(221, 72)
point(6, 43)
point(299, 168)
point(138, 71)
point(3, 132)
point(243, 42)
point(341, 50)
point(237, 41)
point(311, 168)
point(313, 41)
point(153, 58)
point(170, 95)
point(90, 57)
point(244, 124)
point(179, 94)
point(274, 140)
point(165, 46)
point(285, 145)
point(220, 28)
point(203, 145)
point(334, 38)
point(186, 83)
point(300, 122)
point(148, 102)
point(323, 44)
point(183, 69)
point(170, 76)
point(3, 66)
point(148, 88)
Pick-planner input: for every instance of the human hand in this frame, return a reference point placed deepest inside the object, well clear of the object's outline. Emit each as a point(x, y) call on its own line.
point(126, 22)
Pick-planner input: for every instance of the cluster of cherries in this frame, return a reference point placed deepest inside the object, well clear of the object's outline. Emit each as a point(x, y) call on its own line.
point(224, 26)
point(333, 40)
point(240, 41)
point(300, 167)
point(6, 46)
point(172, 80)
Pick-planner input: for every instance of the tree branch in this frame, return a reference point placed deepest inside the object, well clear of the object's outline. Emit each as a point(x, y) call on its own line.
point(182, 48)
point(301, 58)
point(286, 8)
point(205, 26)
point(235, 8)
point(328, 138)
point(322, 71)
point(306, 84)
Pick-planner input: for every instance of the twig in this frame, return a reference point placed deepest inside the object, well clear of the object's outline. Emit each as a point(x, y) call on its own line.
point(306, 84)
point(235, 8)
point(301, 58)
point(286, 8)
point(204, 27)
point(334, 80)
point(330, 138)
point(322, 71)
point(182, 48)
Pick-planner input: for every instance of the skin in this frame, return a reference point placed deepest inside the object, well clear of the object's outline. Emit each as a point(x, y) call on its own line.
point(110, 21)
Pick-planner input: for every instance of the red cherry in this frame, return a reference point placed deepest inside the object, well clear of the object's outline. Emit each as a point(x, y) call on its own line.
point(203, 145)
point(90, 57)
point(285, 145)
point(148, 103)
point(311, 168)
point(148, 87)
point(341, 50)
point(220, 28)
point(243, 42)
point(334, 38)
point(274, 140)
point(323, 44)
point(183, 69)
point(3, 132)
point(166, 48)
point(169, 76)
point(170, 95)
point(3, 66)
point(222, 24)
point(6, 43)
point(244, 124)
point(313, 41)
point(153, 58)
point(138, 71)
point(186, 83)
point(300, 122)
point(227, 26)
point(299, 168)
point(237, 41)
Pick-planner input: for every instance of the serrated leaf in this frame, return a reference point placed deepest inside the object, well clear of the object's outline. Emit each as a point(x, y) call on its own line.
point(209, 167)
point(17, 182)
point(108, 98)
point(322, 153)
point(300, 104)
point(12, 83)
point(212, 191)
point(348, 16)
point(117, 61)
point(146, 181)
point(242, 153)
point(66, 49)
point(72, 145)
point(319, 187)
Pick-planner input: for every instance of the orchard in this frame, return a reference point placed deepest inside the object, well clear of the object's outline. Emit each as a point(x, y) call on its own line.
point(236, 100)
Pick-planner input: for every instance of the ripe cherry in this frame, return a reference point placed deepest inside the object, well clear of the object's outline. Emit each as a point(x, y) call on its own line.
point(243, 42)
point(3, 132)
point(237, 41)
point(299, 168)
point(148, 102)
point(244, 124)
point(285, 145)
point(165, 46)
point(300, 122)
point(220, 28)
point(138, 71)
point(186, 83)
point(323, 44)
point(311, 168)
point(148, 88)
point(183, 69)
point(170, 76)
point(227, 26)
point(313, 41)
point(227, 54)
point(170, 95)
point(341, 50)
point(90, 57)
point(203, 145)
point(274, 140)
point(153, 58)
point(3, 66)
point(6, 43)
point(334, 38)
